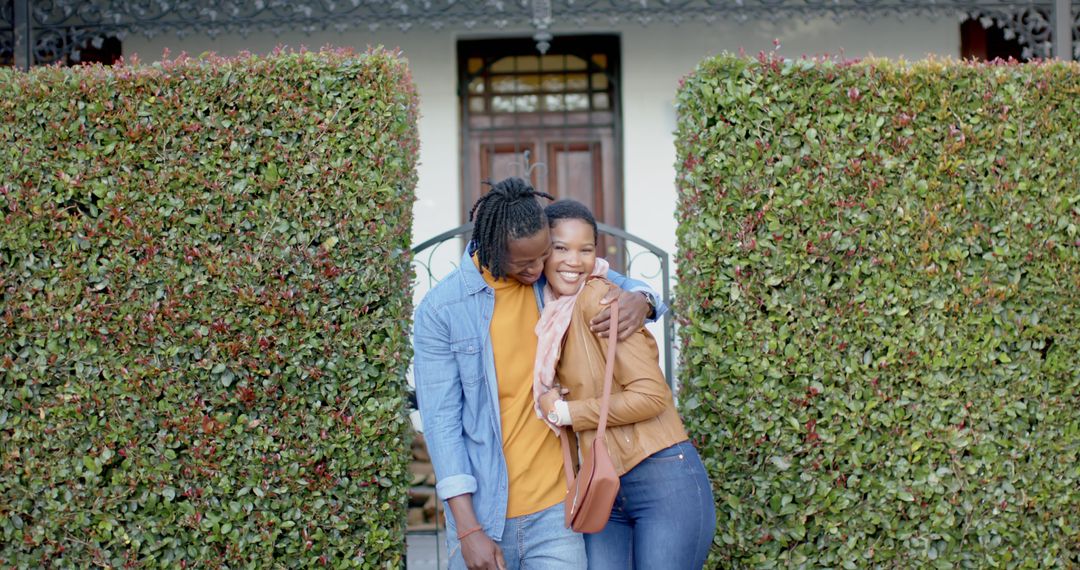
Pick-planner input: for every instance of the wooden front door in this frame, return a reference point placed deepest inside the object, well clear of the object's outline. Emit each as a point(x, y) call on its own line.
point(551, 118)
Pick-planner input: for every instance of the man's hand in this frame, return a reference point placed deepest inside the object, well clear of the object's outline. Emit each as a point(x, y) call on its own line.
point(634, 309)
point(477, 549)
point(481, 553)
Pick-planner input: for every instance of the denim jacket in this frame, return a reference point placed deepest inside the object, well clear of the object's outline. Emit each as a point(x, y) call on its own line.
point(454, 370)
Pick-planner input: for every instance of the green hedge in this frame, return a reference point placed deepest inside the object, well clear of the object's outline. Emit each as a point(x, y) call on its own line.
point(205, 304)
point(879, 288)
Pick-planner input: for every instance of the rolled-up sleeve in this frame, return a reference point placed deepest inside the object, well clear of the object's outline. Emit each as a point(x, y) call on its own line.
point(440, 397)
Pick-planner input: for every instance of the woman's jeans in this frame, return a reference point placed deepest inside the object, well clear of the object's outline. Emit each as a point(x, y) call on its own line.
point(663, 517)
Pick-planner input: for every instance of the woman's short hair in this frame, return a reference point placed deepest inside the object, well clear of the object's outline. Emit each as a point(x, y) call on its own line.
point(567, 209)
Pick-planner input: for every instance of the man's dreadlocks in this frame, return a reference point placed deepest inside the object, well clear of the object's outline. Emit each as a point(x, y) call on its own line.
point(510, 210)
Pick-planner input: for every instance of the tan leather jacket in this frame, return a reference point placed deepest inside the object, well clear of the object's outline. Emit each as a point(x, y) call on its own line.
point(642, 418)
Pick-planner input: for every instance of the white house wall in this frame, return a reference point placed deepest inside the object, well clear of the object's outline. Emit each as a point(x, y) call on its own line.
point(654, 59)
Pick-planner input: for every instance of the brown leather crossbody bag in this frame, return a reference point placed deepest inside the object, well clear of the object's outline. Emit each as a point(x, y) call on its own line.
point(591, 494)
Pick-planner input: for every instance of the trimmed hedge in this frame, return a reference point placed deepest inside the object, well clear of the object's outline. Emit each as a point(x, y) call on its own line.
point(879, 292)
point(205, 306)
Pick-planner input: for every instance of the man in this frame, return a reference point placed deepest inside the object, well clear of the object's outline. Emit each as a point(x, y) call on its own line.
point(499, 467)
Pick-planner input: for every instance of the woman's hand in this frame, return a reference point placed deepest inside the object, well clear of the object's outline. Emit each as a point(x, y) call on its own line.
point(547, 402)
point(632, 313)
point(548, 399)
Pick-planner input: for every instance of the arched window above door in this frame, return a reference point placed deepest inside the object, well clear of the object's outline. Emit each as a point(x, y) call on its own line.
point(562, 107)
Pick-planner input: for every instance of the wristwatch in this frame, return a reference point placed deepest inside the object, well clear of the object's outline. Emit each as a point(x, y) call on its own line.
point(553, 417)
point(653, 303)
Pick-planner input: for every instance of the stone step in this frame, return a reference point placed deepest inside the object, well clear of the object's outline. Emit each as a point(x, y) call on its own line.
point(420, 495)
point(430, 526)
point(422, 473)
point(419, 449)
point(416, 518)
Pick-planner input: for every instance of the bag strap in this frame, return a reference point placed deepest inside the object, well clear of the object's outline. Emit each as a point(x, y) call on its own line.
point(605, 399)
point(609, 370)
point(567, 463)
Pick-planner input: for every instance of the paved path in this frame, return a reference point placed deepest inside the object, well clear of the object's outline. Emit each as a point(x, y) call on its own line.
point(426, 552)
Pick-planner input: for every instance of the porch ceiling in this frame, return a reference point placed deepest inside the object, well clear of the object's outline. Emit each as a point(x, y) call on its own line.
point(56, 26)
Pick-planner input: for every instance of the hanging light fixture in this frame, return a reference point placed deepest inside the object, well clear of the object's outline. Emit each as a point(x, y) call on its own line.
point(541, 19)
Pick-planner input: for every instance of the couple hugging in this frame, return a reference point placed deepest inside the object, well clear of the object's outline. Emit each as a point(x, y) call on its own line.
point(508, 350)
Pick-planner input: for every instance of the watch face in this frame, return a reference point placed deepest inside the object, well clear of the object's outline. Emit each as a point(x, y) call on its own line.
point(553, 417)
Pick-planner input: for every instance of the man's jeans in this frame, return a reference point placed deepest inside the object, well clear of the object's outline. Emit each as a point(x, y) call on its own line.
point(536, 542)
point(663, 517)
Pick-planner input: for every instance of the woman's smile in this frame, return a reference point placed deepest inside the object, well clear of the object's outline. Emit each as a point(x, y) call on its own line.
point(573, 256)
point(571, 276)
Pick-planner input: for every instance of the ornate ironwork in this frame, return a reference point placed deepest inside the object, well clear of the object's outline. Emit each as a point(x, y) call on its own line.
point(7, 33)
point(62, 27)
point(1076, 30)
point(541, 20)
point(1030, 27)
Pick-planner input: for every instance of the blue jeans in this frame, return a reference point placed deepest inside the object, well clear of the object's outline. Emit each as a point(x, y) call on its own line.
point(664, 516)
point(538, 541)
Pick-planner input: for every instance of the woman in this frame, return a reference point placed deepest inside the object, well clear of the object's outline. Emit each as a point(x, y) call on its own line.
point(663, 516)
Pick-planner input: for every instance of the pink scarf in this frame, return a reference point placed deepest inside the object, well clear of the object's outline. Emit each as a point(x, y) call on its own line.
point(554, 321)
